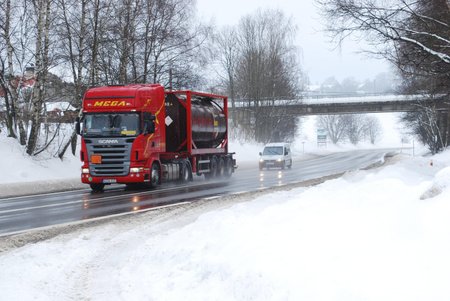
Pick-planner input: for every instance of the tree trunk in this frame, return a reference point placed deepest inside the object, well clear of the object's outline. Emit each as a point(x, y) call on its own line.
point(95, 43)
point(42, 46)
point(71, 142)
point(10, 93)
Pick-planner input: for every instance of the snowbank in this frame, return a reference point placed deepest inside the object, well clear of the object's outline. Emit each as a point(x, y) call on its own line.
point(22, 174)
point(18, 167)
point(365, 236)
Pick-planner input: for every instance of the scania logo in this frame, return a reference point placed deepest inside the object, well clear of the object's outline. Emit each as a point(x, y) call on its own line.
point(108, 141)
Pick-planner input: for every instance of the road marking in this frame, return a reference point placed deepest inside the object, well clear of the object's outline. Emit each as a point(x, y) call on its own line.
point(92, 219)
point(211, 197)
point(240, 192)
point(102, 198)
point(43, 194)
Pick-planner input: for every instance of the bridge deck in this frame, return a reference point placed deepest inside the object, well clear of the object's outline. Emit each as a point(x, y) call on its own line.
point(345, 105)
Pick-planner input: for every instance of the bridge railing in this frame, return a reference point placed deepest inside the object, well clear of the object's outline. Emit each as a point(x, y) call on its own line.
point(305, 98)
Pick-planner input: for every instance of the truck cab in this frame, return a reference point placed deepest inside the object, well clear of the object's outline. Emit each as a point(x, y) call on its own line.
point(275, 155)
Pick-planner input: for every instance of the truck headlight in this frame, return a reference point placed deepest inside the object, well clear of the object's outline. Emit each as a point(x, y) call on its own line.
point(261, 160)
point(136, 169)
point(85, 170)
point(279, 160)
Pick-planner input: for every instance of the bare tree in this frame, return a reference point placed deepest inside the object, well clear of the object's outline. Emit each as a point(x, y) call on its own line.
point(14, 56)
point(415, 36)
point(356, 127)
point(373, 128)
point(228, 51)
point(267, 73)
point(389, 24)
point(72, 35)
point(42, 9)
point(425, 124)
point(335, 125)
point(6, 54)
point(91, 42)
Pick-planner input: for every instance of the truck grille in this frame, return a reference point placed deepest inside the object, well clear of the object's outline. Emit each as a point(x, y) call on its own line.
point(115, 157)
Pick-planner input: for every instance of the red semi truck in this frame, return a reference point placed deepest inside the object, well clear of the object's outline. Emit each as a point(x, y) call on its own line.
point(133, 134)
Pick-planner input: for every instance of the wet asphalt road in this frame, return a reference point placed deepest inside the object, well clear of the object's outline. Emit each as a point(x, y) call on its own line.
point(21, 214)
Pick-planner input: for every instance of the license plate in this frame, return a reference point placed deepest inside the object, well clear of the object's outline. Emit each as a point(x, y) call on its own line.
point(109, 181)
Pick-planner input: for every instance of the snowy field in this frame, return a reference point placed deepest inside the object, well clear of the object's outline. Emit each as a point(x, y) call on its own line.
point(381, 234)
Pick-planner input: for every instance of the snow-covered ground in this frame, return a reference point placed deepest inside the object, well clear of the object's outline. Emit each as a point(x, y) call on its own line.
point(381, 234)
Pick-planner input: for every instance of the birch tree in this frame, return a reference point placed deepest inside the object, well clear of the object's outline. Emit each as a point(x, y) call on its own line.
point(6, 67)
point(89, 43)
point(42, 9)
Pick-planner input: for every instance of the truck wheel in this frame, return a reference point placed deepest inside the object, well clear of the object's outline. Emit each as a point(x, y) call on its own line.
point(212, 169)
point(221, 168)
point(228, 167)
point(155, 175)
point(186, 171)
point(97, 187)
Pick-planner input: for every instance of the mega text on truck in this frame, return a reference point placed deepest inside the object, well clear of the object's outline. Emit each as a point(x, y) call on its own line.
point(142, 134)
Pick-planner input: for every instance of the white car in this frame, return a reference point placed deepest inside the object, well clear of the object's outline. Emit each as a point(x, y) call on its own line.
point(275, 155)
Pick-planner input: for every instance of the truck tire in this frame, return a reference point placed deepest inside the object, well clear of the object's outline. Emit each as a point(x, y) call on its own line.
point(186, 172)
point(155, 175)
point(97, 187)
point(221, 168)
point(228, 171)
point(213, 165)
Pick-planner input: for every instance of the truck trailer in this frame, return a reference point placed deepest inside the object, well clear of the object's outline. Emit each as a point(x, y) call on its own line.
point(142, 134)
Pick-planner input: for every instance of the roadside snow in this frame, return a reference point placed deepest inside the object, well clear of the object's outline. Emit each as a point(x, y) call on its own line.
point(22, 174)
point(365, 236)
point(19, 167)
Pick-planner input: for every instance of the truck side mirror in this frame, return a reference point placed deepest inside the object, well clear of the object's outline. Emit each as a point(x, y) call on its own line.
point(77, 126)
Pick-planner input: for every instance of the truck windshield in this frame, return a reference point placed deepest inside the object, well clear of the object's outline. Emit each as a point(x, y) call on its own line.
point(111, 125)
point(273, 150)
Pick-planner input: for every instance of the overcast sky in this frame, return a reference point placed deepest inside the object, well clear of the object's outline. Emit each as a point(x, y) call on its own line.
point(318, 57)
